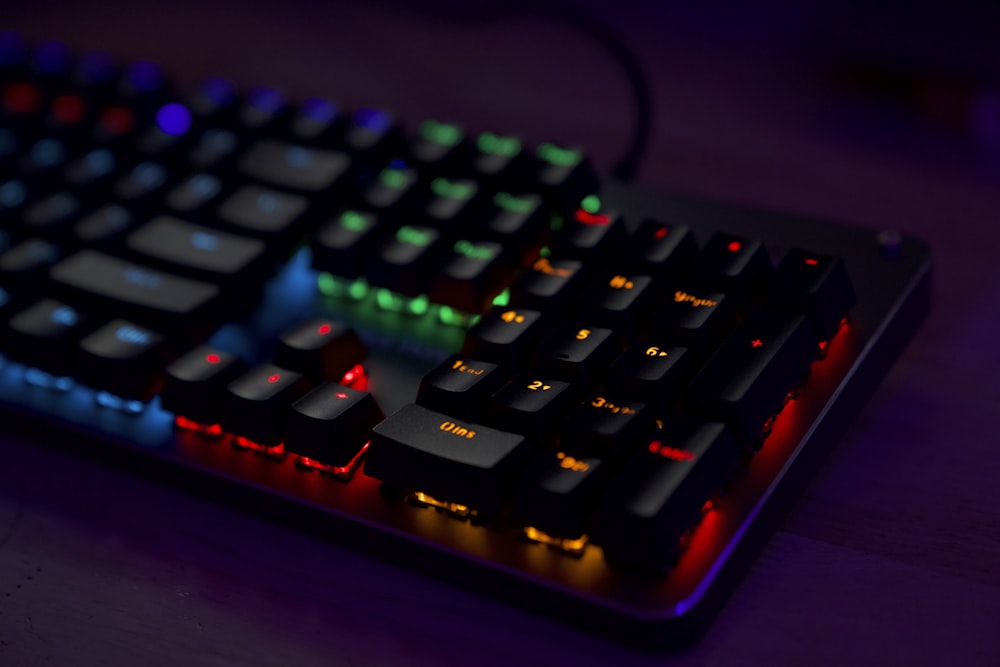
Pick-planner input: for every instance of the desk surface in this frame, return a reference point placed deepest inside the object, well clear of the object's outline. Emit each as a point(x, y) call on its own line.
point(892, 556)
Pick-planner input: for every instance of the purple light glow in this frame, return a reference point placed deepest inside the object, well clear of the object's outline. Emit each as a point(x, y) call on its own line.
point(173, 119)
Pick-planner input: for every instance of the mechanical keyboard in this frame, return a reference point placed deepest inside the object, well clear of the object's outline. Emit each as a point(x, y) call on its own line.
point(444, 347)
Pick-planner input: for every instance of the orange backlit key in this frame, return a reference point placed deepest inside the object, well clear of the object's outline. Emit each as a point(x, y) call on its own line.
point(449, 459)
point(504, 335)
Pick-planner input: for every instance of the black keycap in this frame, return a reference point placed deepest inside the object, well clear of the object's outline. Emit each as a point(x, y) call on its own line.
point(590, 236)
point(577, 353)
point(555, 492)
point(195, 194)
point(815, 285)
point(27, 262)
point(517, 221)
point(695, 318)
point(451, 204)
point(564, 173)
point(735, 265)
point(404, 260)
point(318, 122)
point(505, 336)
point(198, 251)
point(213, 101)
point(371, 134)
point(440, 147)
point(104, 224)
point(548, 284)
point(123, 359)
point(92, 170)
point(746, 381)
point(43, 157)
point(214, 148)
point(664, 251)
point(44, 335)
point(618, 301)
point(263, 212)
point(14, 196)
point(471, 275)
point(460, 386)
point(606, 426)
point(499, 159)
point(193, 385)
point(48, 214)
point(392, 191)
point(344, 245)
point(263, 109)
point(122, 286)
point(533, 406)
point(142, 183)
point(255, 405)
point(331, 424)
point(320, 349)
point(659, 493)
point(652, 372)
point(294, 166)
point(447, 458)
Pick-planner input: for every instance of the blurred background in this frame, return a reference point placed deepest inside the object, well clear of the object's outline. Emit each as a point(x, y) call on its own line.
point(883, 113)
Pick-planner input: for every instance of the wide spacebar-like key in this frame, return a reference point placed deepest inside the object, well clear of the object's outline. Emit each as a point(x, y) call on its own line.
point(132, 290)
point(446, 458)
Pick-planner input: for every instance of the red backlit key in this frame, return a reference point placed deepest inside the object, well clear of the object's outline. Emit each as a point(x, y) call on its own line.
point(658, 249)
point(460, 386)
point(447, 458)
point(815, 285)
point(255, 405)
point(331, 424)
point(320, 349)
point(660, 491)
point(735, 265)
point(589, 236)
point(193, 385)
point(745, 383)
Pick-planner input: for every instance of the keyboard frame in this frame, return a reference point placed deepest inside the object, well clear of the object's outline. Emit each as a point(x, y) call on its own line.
point(893, 299)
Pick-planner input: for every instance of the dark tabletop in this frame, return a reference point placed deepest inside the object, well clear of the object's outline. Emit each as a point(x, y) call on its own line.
point(892, 556)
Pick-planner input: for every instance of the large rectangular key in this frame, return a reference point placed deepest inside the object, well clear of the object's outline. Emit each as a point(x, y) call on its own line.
point(133, 290)
point(660, 491)
point(746, 381)
point(450, 459)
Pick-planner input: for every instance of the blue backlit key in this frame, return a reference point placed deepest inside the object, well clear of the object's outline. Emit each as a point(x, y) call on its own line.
point(123, 359)
point(44, 336)
point(293, 166)
point(261, 211)
point(198, 251)
point(195, 194)
point(124, 286)
point(371, 133)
